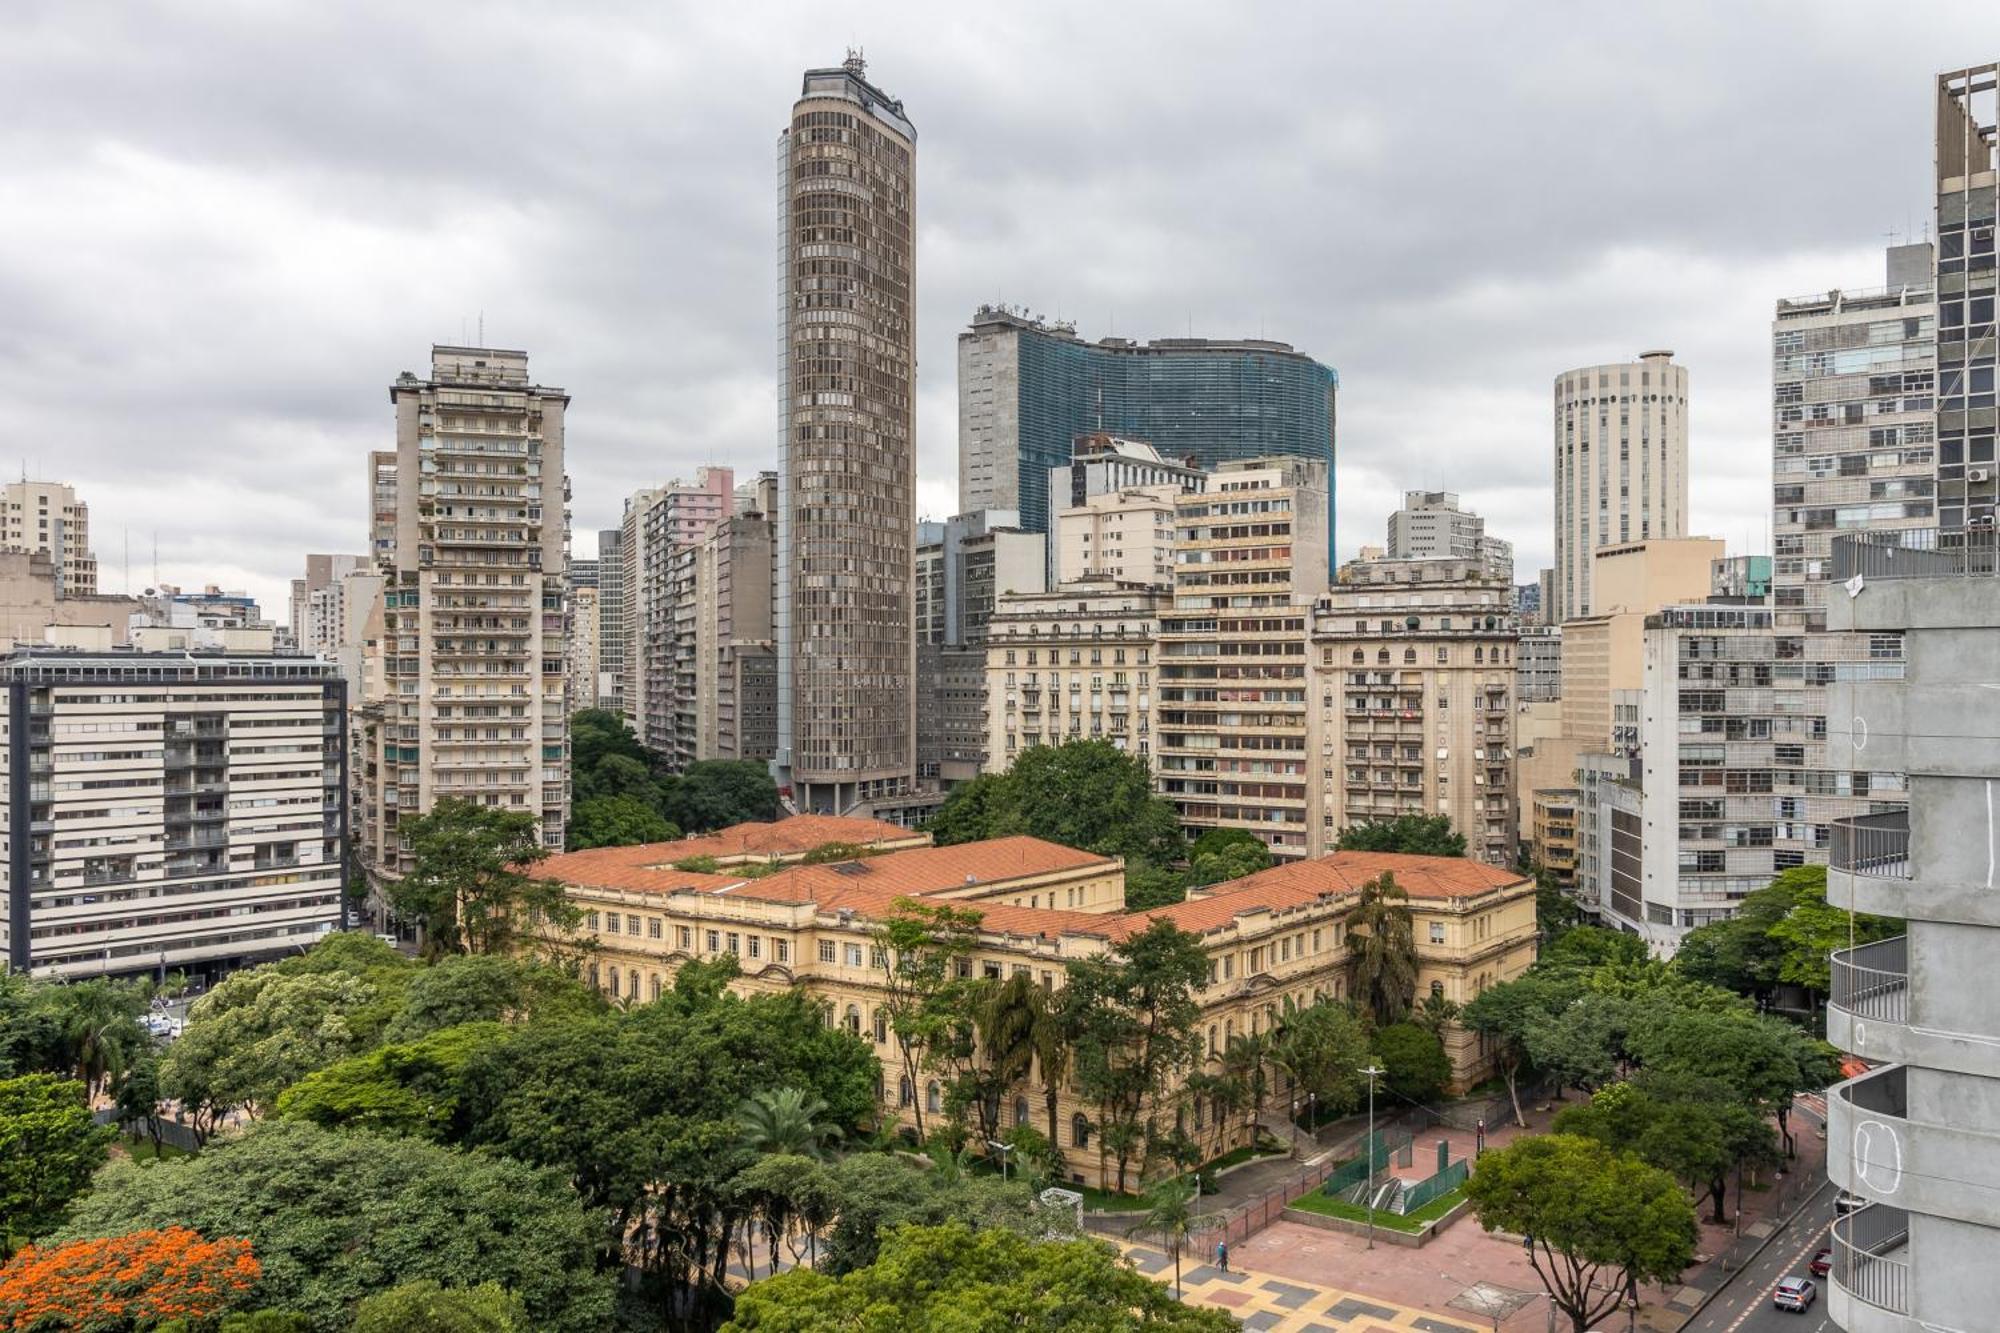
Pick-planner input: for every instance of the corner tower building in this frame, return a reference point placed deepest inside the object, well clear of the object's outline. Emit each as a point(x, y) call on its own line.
point(1621, 448)
point(846, 521)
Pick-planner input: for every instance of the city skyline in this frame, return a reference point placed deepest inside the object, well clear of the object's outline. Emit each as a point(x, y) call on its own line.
point(296, 258)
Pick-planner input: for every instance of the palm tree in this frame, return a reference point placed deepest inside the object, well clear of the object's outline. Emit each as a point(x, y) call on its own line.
point(1171, 1217)
point(1048, 1038)
point(1005, 1019)
point(1383, 944)
point(786, 1121)
point(1434, 1012)
point(100, 1030)
point(1243, 1060)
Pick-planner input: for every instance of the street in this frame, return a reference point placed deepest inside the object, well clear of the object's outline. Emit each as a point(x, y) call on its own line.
point(1744, 1306)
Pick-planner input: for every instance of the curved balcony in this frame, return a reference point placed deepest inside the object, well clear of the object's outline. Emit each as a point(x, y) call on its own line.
point(1869, 998)
point(1868, 863)
point(1927, 1164)
point(1869, 1284)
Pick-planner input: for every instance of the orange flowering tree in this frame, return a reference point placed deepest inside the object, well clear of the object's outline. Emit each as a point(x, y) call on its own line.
point(125, 1282)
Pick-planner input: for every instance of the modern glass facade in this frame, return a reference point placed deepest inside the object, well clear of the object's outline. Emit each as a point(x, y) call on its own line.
point(1027, 389)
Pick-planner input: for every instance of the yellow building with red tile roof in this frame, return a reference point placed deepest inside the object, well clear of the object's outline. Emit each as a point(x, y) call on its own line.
point(1275, 939)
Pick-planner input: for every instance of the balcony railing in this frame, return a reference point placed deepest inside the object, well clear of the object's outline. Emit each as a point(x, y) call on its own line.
point(1869, 1262)
point(1873, 980)
point(1875, 845)
point(1915, 553)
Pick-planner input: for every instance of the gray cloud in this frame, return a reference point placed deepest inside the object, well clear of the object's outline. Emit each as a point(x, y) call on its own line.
point(227, 227)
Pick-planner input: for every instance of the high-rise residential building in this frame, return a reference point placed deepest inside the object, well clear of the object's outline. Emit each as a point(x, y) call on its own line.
point(580, 650)
point(1967, 355)
point(381, 506)
point(1528, 603)
point(1126, 536)
point(735, 665)
point(1073, 663)
point(470, 660)
point(583, 574)
point(847, 468)
point(1553, 844)
point(46, 516)
point(661, 527)
point(1917, 1137)
point(224, 840)
point(1431, 526)
point(1621, 469)
point(1028, 388)
point(1853, 448)
point(1603, 654)
point(612, 629)
point(318, 609)
point(1414, 675)
point(631, 621)
point(1235, 733)
point(1538, 664)
point(964, 565)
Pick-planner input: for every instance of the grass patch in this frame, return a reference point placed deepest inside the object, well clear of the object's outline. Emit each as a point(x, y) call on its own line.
point(1108, 1201)
point(141, 1149)
point(1411, 1224)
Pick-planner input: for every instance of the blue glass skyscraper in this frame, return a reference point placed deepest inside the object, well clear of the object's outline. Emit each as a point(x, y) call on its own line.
point(1026, 388)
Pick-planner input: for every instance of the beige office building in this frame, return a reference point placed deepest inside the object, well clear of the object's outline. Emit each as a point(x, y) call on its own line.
point(1621, 468)
point(1414, 685)
point(846, 517)
point(1236, 735)
point(1125, 535)
point(471, 701)
point(1074, 663)
point(735, 665)
point(47, 517)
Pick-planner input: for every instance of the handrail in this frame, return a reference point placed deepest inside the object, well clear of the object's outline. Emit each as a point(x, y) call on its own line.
point(1863, 1261)
point(1872, 980)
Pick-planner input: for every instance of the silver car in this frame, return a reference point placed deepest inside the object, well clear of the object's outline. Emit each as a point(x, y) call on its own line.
point(1795, 1294)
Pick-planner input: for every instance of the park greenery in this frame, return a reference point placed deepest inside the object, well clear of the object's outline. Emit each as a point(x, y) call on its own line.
point(625, 793)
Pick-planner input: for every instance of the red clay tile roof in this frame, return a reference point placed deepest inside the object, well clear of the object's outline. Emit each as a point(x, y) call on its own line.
point(785, 837)
point(1341, 874)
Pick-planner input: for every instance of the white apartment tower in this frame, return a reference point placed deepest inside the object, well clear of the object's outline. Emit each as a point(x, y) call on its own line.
point(472, 701)
point(846, 514)
point(1621, 450)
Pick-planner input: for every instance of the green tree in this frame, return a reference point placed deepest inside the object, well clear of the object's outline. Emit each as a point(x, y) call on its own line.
point(468, 883)
point(1587, 948)
point(1596, 1223)
point(486, 988)
point(1220, 855)
point(717, 793)
point(1322, 1048)
point(49, 1146)
point(617, 821)
point(1414, 1064)
point(1084, 794)
point(1244, 1058)
point(789, 1121)
point(917, 947)
point(415, 1087)
point(874, 1193)
point(1507, 1013)
point(137, 1095)
point(1555, 911)
point(618, 777)
point(100, 1027)
point(1434, 1013)
point(597, 733)
point(1416, 835)
point(1170, 1215)
point(425, 1307)
point(1578, 1046)
point(954, 1277)
point(1133, 1013)
point(255, 1035)
point(338, 1217)
point(1383, 946)
point(793, 1198)
point(1148, 886)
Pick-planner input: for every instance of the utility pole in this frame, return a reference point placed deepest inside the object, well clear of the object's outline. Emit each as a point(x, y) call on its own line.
point(1371, 1147)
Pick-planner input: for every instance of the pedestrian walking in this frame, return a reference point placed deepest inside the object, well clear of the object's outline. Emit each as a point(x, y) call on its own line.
point(1222, 1255)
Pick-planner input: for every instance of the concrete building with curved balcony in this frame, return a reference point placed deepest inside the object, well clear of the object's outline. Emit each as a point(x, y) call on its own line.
point(1918, 1136)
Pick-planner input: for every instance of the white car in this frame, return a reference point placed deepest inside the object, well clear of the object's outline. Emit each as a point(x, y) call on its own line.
point(162, 1025)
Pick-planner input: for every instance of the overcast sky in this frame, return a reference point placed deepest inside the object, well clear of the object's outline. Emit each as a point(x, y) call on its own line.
point(225, 227)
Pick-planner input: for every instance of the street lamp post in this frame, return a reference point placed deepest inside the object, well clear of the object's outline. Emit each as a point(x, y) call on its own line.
point(1369, 1146)
point(1003, 1149)
point(1295, 1126)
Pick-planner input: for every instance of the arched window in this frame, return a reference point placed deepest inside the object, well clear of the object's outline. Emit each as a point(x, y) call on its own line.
point(1409, 657)
point(932, 1100)
point(853, 1020)
point(632, 984)
point(1079, 1131)
point(1020, 1110)
point(1478, 655)
point(903, 1095)
point(611, 975)
point(1199, 1104)
point(1437, 990)
point(1382, 658)
point(1211, 1039)
point(1180, 1120)
point(1360, 658)
point(593, 976)
point(656, 985)
point(881, 1026)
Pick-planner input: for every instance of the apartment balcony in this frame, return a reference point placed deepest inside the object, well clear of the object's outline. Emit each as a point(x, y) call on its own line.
point(1868, 1288)
point(1927, 1162)
point(1868, 862)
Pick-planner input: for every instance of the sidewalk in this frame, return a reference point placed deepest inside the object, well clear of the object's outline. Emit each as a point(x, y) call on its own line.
point(1262, 1301)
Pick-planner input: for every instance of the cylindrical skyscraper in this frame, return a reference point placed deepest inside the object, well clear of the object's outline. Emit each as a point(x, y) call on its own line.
point(1621, 448)
point(846, 521)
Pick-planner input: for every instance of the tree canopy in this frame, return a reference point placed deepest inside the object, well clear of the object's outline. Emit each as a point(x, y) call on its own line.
point(1084, 794)
point(470, 883)
point(953, 1277)
point(1417, 835)
point(49, 1147)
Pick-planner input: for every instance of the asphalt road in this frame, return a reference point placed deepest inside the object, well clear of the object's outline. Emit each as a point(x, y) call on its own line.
point(1744, 1305)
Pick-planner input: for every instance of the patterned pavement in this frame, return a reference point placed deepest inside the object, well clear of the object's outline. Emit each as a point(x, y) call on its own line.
point(1269, 1303)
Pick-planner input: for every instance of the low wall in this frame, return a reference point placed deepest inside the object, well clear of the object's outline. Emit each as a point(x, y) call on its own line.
point(1409, 1240)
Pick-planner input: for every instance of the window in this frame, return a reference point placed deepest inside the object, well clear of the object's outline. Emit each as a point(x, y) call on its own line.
point(853, 955)
point(1437, 990)
point(881, 1026)
point(611, 923)
point(714, 941)
point(685, 934)
point(735, 943)
point(903, 1094)
point(852, 1021)
point(826, 951)
point(781, 950)
point(1020, 1110)
point(1437, 932)
point(654, 928)
point(1079, 1131)
point(756, 943)
point(932, 1099)
point(631, 925)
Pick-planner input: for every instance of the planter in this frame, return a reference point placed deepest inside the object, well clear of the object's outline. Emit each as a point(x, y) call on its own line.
point(1412, 1240)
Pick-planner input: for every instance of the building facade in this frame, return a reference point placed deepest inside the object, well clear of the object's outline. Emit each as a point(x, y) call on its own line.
point(470, 663)
point(1074, 663)
point(1621, 460)
point(1538, 663)
point(1028, 388)
point(1431, 526)
point(1125, 535)
point(175, 811)
point(1275, 940)
point(1414, 683)
point(1553, 848)
point(735, 665)
point(846, 515)
point(580, 649)
point(47, 517)
point(1236, 734)
point(1967, 356)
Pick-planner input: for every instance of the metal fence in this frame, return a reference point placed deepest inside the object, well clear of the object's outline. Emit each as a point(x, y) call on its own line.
point(170, 1132)
point(1870, 1257)
point(1915, 553)
point(1872, 980)
point(1416, 1196)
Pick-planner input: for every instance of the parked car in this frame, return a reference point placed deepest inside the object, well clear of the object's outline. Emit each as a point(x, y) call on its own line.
point(1795, 1294)
point(162, 1025)
point(1821, 1262)
point(1845, 1203)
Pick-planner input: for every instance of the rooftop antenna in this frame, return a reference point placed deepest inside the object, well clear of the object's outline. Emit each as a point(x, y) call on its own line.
point(482, 328)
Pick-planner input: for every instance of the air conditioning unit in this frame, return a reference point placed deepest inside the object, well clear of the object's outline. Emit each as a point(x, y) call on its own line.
point(1979, 474)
